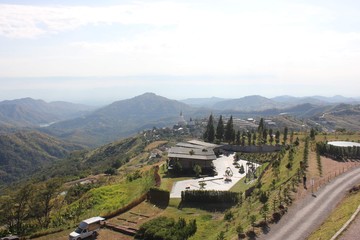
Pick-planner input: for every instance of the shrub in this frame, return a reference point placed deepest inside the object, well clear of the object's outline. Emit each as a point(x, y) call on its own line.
point(228, 215)
point(110, 171)
point(167, 229)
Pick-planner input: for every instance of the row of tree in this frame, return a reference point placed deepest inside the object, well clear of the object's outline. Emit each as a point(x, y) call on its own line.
point(337, 152)
point(227, 133)
point(29, 202)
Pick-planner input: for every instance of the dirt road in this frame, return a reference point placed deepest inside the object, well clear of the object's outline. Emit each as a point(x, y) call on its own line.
point(307, 215)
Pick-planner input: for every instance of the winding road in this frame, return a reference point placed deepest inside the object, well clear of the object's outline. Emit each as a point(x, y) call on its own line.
point(308, 214)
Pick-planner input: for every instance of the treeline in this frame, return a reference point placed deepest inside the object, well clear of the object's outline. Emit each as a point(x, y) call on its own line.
point(336, 152)
point(257, 157)
point(210, 196)
point(262, 135)
point(29, 208)
point(39, 207)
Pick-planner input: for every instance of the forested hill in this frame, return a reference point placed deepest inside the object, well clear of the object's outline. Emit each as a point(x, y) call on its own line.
point(26, 152)
point(121, 119)
point(28, 112)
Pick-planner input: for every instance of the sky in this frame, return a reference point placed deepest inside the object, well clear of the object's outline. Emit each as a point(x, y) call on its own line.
point(91, 51)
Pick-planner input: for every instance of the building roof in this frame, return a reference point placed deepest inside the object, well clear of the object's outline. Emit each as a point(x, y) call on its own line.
point(203, 144)
point(189, 145)
point(192, 153)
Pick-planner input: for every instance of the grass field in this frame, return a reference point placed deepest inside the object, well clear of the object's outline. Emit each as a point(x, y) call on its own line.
point(337, 218)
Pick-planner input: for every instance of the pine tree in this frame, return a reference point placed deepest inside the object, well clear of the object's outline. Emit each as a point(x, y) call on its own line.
point(271, 136)
point(260, 130)
point(254, 138)
point(209, 135)
point(291, 136)
point(243, 137)
point(249, 138)
point(285, 135)
point(229, 130)
point(238, 137)
point(264, 136)
point(277, 137)
point(312, 134)
point(220, 129)
point(261, 126)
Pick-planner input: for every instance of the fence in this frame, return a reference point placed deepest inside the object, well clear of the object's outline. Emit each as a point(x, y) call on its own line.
point(320, 182)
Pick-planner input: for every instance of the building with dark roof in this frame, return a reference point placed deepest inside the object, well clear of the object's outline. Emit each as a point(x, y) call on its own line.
point(192, 153)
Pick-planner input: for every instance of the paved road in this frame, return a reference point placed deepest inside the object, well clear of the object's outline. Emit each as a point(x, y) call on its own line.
point(353, 231)
point(308, 214)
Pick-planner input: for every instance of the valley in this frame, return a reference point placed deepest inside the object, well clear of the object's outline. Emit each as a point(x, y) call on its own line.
point(84, 178)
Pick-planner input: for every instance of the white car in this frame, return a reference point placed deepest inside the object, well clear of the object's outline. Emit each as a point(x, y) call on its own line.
point(87, 228)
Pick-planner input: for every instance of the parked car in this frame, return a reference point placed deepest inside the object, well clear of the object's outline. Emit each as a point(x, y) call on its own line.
point(87, 228)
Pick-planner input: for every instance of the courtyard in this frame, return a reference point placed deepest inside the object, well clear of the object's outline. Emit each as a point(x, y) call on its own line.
point(216, 182)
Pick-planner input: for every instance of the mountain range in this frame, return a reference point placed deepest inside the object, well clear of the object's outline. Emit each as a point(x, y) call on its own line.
point(85, 125)
point(35, 134)
point(259, 103)
point(28, 112)
point(120, 119)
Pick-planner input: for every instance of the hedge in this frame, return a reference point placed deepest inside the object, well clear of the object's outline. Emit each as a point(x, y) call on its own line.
point(209, 196)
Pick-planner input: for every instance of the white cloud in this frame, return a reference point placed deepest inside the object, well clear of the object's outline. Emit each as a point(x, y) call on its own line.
point(289, 42)
point(23, 21)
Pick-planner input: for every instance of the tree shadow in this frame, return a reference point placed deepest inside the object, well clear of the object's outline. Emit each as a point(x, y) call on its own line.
point(251, 235)
point(210, 207)
point(265, 229)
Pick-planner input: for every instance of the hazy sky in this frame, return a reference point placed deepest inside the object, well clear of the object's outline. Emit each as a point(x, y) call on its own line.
point(110, 50)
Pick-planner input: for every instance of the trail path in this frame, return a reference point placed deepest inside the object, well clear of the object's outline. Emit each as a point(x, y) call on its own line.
point(307, 214)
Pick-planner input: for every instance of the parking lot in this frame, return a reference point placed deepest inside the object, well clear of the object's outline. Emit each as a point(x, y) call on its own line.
point(212, 183)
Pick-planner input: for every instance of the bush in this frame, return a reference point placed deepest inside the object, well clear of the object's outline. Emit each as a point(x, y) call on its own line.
point(165, 228)
point(228, 215)
point(111, 171)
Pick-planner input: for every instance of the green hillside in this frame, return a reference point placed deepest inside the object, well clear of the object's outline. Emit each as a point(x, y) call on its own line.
point(78, 188)
point(28, 112)
point(26, 152)
point(120, 119)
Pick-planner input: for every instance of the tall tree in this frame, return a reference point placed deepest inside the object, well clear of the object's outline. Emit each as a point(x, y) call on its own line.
point(265, 136)
point(271, 136)
point(42, 202)
point(15, 210)
point(229, 130)
point(249, 138)
point(243, 137)
point(233, 136)
point(209, 135)
point(291, 136)
point(261, 126)
point(238, 137)
point(277, 137)
point(254, 138)
point(285, 135)
point(312, 134)
point(220, 129)
point(260, 130)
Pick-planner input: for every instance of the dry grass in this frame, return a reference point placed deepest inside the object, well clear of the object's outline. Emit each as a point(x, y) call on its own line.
point(337, 218)
point(154, 145)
